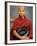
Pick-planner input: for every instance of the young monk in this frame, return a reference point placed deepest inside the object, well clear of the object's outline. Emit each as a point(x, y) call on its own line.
point(22, 21)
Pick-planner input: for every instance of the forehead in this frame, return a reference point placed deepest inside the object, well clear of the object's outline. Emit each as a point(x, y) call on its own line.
point(21, 7)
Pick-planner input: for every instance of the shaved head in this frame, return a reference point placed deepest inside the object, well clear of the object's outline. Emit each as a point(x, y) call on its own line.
point(20, 7)
point(21, 10)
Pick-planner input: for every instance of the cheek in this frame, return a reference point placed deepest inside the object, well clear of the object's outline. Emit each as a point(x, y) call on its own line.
point(21, 12)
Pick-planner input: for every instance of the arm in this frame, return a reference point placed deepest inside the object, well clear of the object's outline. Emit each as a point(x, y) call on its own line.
point(17, 35)
point(30, 31)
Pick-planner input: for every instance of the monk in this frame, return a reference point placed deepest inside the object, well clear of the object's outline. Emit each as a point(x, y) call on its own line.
point(22, 21)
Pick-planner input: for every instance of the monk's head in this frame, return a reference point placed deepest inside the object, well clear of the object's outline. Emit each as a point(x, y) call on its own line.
point(21, 10)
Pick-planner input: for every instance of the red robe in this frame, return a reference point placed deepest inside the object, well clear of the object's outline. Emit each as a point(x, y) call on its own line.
point(20, 22)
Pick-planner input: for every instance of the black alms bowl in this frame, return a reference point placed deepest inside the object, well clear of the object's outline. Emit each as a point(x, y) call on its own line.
point(22, 31)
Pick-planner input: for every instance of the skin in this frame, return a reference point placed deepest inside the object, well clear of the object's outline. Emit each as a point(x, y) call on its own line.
point(21, 12)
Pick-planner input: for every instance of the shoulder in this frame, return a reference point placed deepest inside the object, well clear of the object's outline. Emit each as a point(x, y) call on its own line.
point(16, 20)
point(28, 19)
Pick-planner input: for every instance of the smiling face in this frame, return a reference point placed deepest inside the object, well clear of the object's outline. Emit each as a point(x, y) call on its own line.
point(21, 11)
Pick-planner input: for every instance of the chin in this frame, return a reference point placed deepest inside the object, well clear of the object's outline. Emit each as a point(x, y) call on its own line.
point(22, 15)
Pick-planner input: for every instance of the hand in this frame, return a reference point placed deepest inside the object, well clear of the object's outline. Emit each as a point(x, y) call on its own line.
point(24, 38)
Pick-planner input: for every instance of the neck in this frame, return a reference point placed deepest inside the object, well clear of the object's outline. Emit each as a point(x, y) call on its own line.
point(22, 17)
